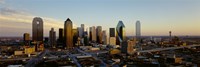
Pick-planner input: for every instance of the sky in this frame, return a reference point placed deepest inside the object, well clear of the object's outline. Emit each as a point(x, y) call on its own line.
point(157, 17)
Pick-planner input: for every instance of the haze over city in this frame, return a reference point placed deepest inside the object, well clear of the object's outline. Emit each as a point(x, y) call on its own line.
point(156, 17)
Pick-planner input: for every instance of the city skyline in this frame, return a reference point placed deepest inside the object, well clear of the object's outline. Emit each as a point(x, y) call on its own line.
point(157, 17)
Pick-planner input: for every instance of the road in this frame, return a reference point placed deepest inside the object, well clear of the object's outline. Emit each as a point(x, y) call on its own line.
point(169, 48)
point(32, 62)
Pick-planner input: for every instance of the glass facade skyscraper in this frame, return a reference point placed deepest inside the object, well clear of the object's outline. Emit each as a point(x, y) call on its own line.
point(37, 29)
point(68, 33)
point(120, 33)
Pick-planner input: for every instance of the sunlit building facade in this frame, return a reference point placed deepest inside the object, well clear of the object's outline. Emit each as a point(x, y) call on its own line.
point(68, 34)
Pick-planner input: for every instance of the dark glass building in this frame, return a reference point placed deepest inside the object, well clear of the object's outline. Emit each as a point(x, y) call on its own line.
point(120, 36)
point(37, 29)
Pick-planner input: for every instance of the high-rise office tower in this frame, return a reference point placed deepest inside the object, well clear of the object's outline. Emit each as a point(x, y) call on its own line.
point(90, 34)
point(120, 33)
point(85, 39)
point(37, 32)
point(138, 30)
point(52, 38)
point(104, 37)
point(37, 29)
point(112, 38)
point(112, 32)
point(68, 33)
point(26, 38)
point(61, 34)
point(81, 33)
point(99, 34)
point(75, 36)
point(60, 42)
point(94, 37)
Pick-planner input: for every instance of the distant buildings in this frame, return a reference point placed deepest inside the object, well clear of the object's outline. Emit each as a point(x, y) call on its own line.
point(112, 38)
point(138, 30)
point(90, 34)
point(68, 33)
point(120, 33)
point(52, 38)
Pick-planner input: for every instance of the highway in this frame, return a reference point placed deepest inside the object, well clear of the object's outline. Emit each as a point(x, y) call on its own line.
point(168, 48)
point(32, 62)
point(104, 64)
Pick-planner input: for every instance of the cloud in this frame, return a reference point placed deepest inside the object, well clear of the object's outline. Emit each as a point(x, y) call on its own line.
point(2, 1)
point(17, 20)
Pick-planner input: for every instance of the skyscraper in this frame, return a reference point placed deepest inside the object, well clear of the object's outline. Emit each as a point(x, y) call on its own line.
point(112, 32)
point(90, 34)
point(37, 29)
point(138, 30)
point(104, 37)
point(112, 38)
point(75, 36)
point(120, 33)
point(81, 32)
point(52, 38)
point(68, 33)
point(99, 34)
point(60, 41)
point(94, 37)
point(61, 34)
point(37, 32)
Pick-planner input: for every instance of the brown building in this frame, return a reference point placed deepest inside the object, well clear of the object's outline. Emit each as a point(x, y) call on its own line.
point(68, 34)
point(26, 38)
